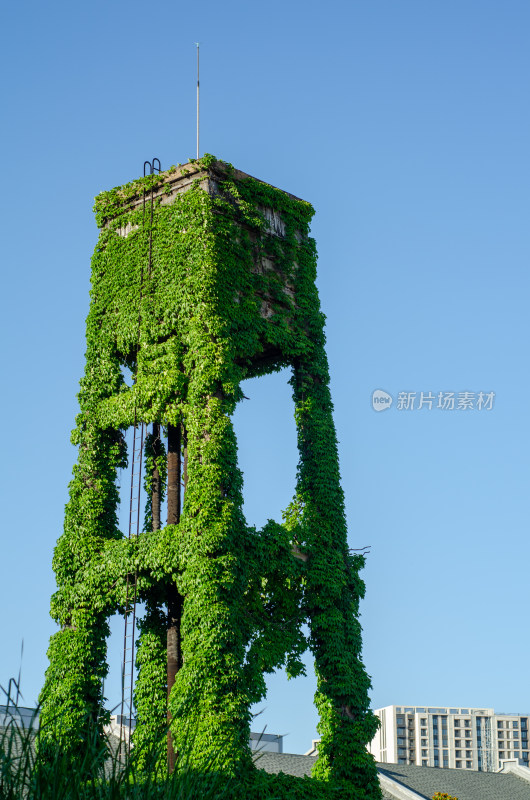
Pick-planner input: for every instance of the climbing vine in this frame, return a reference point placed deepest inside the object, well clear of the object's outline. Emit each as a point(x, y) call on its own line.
point(219, 287)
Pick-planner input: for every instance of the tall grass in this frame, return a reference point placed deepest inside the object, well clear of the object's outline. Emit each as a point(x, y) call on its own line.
point(32, 772)
point(36, 773)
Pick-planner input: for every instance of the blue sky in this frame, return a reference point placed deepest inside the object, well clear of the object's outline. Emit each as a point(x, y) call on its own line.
point(406, 124)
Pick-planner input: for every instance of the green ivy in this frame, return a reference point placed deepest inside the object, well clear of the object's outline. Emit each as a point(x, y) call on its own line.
point(224, 298)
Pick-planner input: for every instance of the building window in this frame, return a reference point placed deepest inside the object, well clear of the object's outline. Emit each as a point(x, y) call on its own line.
point(468, 734)
point(402, 760)
point(458, 764)
point(423, 721)
point(516, 754)
point(424, 753)
point(499, 724)
point(468, 764)
point(424, 731)
point(467, 723)
point(500, 734)
point(424, 742)
point(436, 762)
point(458, 754)
point(516, 734)
point(515, 725)
point(424, 762)
point(458, 742)
point(501, 753)
point(446, 762)
point(445, 741)
point(457, 723)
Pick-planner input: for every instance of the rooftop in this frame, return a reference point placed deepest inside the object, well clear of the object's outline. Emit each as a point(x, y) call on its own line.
point(421, 783)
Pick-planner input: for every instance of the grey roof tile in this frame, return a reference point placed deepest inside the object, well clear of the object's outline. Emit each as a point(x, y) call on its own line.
point(284, 762)
point(425, 781)
point(464, 784)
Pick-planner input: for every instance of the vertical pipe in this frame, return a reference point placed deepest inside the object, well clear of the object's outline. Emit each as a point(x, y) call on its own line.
point(155, 481)
point(185, 465)
point(174, 600)
point(173, 474)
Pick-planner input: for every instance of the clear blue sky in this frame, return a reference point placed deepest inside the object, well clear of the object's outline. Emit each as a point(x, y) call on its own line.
point(407, 125)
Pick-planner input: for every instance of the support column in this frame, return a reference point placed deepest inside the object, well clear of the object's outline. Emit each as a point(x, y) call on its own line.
point(334, 589)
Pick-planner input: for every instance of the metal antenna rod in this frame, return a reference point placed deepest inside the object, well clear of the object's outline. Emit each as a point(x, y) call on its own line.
point(197, 43)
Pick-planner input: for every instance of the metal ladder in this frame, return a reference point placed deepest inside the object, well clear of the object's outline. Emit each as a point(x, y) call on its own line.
point(131, 588)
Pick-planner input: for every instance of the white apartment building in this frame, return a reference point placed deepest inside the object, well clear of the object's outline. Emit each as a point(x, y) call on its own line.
point(459, 738)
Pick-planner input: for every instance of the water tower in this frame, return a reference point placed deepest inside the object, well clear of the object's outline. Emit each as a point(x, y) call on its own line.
point(202, 277)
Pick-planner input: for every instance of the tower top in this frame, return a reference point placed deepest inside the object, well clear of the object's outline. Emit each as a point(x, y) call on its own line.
point(207, 172)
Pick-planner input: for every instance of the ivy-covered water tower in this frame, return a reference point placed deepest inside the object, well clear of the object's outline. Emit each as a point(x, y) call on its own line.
point(203, 277)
